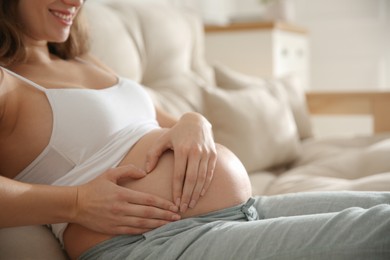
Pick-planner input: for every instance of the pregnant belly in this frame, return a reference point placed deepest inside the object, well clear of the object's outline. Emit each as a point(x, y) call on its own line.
point(230, 186)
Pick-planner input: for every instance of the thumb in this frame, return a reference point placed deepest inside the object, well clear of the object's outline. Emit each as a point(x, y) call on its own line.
point(155, 152)
point(126, 171)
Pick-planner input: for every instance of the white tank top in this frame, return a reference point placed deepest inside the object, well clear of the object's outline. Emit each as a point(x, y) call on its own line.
point(92, 131)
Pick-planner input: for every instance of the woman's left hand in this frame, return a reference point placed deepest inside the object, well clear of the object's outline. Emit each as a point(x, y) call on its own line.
point(195, 154)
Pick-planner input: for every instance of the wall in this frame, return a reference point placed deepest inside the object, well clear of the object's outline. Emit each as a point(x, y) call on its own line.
point(223, 11)
point(349, 38)
point(349, 42)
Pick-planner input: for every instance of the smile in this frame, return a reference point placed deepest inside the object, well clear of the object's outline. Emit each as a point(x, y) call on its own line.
point(65, 18)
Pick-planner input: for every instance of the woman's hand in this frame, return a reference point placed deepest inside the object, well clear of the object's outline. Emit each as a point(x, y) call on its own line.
point(104, 206)
point(195, 154)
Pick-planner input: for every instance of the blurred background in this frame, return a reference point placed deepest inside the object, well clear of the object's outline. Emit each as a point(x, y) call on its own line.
point(338, 45)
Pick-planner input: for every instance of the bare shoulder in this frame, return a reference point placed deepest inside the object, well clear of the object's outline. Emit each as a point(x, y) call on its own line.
point(5, 89)
point(2, 94)
point(1, 75)
point(96, 61)
point(2, 83)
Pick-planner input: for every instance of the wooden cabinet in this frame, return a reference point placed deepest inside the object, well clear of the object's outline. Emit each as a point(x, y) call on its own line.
point(264, 49)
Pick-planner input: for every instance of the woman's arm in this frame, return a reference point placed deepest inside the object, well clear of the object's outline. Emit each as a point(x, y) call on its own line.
point(192, 141)
point(27, 204)
point(100, 205)
point(164, 119)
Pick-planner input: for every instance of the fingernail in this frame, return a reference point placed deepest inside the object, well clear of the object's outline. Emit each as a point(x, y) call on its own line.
point(183, 207)
point(148, 167)
point(192, 204)
point(177, 202)
point(176, 217)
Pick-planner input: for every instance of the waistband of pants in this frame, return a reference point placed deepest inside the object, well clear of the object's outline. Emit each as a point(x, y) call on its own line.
point(242, 212)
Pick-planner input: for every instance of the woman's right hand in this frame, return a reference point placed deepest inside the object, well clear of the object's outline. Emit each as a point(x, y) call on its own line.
point(104, 206)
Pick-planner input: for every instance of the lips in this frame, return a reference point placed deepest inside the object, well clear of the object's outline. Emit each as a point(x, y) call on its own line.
point(64, 17)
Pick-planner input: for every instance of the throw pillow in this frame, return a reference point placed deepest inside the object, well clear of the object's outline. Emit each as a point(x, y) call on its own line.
point(289, 86)
point(254, 124)
point(228, 78)
point(295, 94)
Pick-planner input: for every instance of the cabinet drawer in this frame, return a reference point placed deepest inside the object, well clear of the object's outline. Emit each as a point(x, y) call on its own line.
point(264, 50)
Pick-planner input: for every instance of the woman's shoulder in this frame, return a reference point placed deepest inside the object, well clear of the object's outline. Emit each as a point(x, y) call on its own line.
point(6, 79)
point(5, 83)
point(2, 94)
point(2, 79)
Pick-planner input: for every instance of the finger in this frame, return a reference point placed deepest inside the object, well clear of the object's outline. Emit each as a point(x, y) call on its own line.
point(150, 212)
point(180, 165)
point(126, 171)
point(210, 173)
point(144, 223)
point(136, 225)
point(200, 182)
point(141, 198)
point(190, 180)
point(155, 152)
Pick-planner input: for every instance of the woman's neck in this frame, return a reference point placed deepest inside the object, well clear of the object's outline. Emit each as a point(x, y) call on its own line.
point(36, 56)
point(37, 51)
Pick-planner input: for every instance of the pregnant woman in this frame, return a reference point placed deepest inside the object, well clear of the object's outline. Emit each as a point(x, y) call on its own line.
point(87, 152)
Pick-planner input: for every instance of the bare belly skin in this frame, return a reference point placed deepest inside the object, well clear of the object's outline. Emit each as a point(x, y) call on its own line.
point(230, 186)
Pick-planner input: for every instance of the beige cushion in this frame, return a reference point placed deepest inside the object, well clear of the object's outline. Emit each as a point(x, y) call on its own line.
point(155, 44)
point(260, 181)
point(176, 94)
point(111, 42)
point(244, 121)
point(295, 95)
point(30, 242)
point(356, 163)
point(289, 86)
point(228, 78)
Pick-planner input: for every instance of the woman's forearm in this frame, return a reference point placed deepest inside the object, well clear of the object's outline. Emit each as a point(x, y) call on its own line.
point(100, 205)
point(31, 204)
point(164, 119)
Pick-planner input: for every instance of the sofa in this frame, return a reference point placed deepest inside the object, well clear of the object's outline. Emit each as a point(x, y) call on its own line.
point(266, 122)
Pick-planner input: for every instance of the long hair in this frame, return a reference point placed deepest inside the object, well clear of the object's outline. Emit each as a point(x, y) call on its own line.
point(12, 47)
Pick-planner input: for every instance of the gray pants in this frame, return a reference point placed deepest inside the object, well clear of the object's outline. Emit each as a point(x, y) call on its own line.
point(326, 225)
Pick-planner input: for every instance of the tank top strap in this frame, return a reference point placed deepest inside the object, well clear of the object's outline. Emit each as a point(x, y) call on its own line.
point(30, 82)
